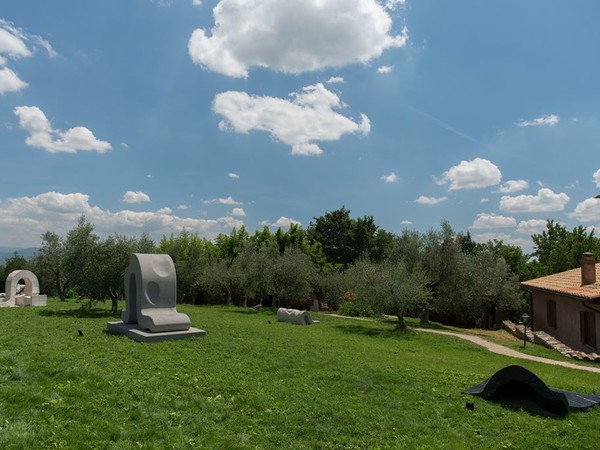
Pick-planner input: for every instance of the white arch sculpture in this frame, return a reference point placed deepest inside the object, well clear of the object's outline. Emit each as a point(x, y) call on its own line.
point(30, 297)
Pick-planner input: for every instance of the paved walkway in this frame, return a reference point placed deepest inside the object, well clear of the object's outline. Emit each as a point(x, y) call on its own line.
point(502, 350)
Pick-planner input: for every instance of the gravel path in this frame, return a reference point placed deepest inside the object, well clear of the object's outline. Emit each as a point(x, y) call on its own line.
point(502, 350)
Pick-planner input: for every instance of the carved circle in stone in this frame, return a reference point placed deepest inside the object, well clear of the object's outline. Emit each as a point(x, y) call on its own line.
point(153, 292)
point(162, 267)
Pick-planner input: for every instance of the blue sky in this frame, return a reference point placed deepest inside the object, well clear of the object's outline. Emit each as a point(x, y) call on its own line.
point(149, 115)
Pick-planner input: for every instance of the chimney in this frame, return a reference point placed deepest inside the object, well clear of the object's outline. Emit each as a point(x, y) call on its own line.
point(588, 269)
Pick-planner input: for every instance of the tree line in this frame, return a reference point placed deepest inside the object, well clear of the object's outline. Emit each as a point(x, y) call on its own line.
point(349, 264)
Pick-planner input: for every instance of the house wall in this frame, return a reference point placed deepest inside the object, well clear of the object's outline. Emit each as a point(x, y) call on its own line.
point(568, 327)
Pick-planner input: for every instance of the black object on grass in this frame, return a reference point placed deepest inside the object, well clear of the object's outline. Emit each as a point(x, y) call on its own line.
point(517, 387)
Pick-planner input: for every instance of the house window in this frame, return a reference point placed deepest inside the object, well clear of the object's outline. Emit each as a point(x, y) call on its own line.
point(588, 328)
point(551, 313)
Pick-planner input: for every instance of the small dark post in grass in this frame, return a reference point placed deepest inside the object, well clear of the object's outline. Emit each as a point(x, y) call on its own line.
point(525, 318)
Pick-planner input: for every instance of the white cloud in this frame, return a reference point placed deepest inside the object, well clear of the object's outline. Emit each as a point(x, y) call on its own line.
point(391, 178)
point(597, 178)
point(183, 206)
point(406, 222)
point(393, 4)
point(385, 69)
point(484, 221)
point(587, 211)
point(334, 80)
point(284, 222)
point(504, 237)
point(13, 46)
point(512, 186)
point(549, 120)
point(293, 37)
point(124, 145)
point(238, 212)
point(197, 2)
point(430, 200)
point(10, 81)
point(224, 201)
point(533, 226)
point(24, 219)
point(42, 135)
point(235, 176)
point(308, 117)
point(546, 200)
point(484, 200)
point(135, 197)
point(12, 41)
point(475, 174)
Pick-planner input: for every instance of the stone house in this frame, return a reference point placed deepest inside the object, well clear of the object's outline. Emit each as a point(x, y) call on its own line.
point(566, 305)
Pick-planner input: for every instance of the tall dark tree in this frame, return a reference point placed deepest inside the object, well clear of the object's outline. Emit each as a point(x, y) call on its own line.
point(80, 257)
point(49, 264)
point(557, 249)
point(345, 240)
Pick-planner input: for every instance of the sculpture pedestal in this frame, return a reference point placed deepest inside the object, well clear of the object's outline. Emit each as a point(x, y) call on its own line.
point(134, 332)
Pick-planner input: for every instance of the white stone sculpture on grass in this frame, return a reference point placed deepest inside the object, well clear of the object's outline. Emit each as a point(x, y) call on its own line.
point(18, 295)
point(295, 316)
point(151, 295)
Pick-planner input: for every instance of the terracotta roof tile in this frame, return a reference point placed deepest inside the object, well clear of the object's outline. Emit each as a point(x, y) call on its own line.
point(568, 283)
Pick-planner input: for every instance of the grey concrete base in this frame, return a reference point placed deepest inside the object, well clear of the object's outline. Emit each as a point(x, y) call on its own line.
point(137, 334)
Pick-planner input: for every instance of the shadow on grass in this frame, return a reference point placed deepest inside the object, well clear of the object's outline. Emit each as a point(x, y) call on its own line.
point(356, 328)
point(80, 313)
point(245, 312)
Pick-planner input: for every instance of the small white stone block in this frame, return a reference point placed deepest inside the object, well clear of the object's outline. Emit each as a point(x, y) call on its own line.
point(295, 316)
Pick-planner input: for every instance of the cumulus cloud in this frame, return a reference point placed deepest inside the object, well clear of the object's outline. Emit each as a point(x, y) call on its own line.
point(512, 186)
point(548, 120)
point(546, 200)
point(406, 222)
point(10, 81)
point(597, 178)
point(306, 118)
point(14, 45)
point(24, 219)
point(135, 197)
point(42, 135)
point(423, 200)
point(504, 237)
point(334, 80)
point(476, 174)
point(484, 221)
point(533, 226)
point(235, 176)
point(238, 212)
point(183, 206)
point(587, 211)
point(293, 37)
point(282, 222)
point(391, 178)
point(224, 201)
point(12, 41)
point(385, 69)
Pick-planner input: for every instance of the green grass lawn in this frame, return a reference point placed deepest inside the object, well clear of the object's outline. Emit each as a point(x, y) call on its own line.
point(252, 382)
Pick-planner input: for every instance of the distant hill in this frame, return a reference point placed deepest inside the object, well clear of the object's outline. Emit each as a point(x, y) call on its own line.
point(8, 252)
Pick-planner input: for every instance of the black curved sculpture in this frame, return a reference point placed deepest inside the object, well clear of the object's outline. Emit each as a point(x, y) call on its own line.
point(518, 387)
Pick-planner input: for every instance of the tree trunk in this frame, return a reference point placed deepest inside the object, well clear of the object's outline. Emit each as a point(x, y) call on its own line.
point(114, 298)
point(401, 322)
point(424, 317)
